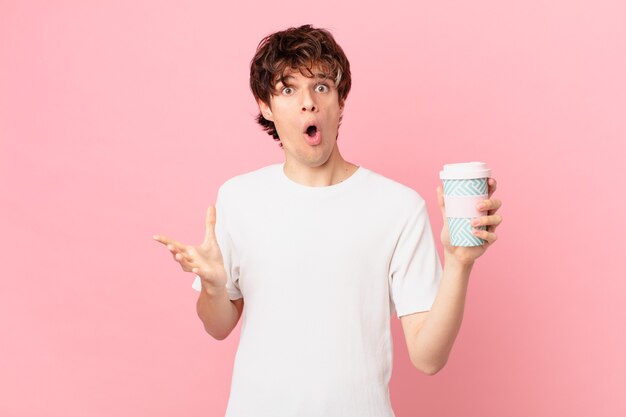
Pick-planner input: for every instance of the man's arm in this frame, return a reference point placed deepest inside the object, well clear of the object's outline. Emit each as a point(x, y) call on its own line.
point(430, 335)
point(218, 313)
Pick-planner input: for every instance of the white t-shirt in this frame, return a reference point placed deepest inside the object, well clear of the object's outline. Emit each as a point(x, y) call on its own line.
point(321, 270)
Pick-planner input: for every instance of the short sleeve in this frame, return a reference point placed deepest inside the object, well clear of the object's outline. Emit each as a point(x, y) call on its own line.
point(415, 269)
point(231, 261)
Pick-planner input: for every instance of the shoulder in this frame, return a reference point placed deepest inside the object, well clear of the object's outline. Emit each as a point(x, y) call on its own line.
point(248, 182)
point(395, 192)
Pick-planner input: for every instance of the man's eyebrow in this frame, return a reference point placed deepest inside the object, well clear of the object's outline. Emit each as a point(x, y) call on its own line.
point(319, 76)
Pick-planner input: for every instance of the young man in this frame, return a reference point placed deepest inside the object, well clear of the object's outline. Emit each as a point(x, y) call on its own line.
point(322, 251)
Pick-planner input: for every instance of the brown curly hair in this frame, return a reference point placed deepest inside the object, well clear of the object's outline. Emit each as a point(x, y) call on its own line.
point(301, 49)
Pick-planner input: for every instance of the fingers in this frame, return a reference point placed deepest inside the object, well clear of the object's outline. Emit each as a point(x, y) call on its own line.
point(211, 215)
point(179, 256)
point(440, 199)
point(170, 243)
point(162, 239)
point(488, 236)
point(179, 250)
point(491, 205)
point(493, 220)
point(491, 184)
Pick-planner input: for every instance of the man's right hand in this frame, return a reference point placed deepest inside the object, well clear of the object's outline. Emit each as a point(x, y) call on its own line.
point(205, 260)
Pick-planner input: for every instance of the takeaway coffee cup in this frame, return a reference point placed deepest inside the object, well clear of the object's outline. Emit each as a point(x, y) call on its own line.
point(464, 186)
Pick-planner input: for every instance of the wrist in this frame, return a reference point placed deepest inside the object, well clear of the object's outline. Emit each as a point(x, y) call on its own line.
point(452, 262)
point(213, 290)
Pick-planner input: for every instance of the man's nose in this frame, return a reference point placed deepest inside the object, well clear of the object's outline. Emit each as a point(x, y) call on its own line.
point(308, 103)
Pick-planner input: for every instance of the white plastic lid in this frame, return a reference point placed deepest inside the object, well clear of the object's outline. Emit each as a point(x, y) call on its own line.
point(465, 171)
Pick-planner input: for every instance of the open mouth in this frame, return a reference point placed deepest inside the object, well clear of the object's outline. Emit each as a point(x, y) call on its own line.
point(311, 130)
point(312, 135)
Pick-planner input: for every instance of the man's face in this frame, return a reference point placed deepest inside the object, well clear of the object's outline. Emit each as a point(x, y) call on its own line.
point(306, 113)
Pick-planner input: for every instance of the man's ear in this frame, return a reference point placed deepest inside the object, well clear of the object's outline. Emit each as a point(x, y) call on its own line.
point(265, 111)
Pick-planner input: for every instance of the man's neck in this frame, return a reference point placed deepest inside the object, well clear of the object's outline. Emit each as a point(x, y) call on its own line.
point(330, 173)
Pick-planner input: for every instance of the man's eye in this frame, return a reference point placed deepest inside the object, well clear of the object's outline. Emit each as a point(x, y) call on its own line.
point(322, 88)
point(287, 90)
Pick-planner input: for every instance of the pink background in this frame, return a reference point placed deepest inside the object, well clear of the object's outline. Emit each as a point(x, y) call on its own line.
point(120, 119)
